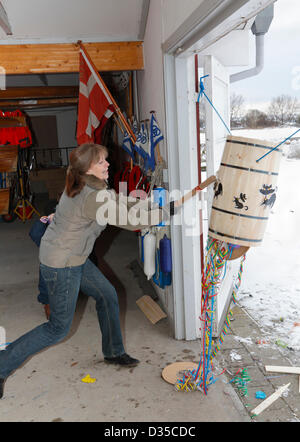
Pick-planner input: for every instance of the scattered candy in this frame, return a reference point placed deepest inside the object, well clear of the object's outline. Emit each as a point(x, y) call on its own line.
point(260, 395)
point(262, 342)
point(88, 380)
point(241, 381)
point(281, 343)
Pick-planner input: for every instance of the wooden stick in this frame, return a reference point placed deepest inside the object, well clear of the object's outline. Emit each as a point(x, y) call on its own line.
point(118, 124)
point(193, 192)
point(267, 402)
point(281, 369)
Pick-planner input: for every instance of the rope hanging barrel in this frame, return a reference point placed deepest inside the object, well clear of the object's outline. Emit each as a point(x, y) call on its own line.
point(245, 192)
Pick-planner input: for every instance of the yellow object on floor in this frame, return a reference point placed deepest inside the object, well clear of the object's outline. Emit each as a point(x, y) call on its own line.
point(88, 379)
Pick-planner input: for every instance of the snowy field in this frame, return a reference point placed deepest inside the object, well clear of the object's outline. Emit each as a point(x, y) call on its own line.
point(270, 288)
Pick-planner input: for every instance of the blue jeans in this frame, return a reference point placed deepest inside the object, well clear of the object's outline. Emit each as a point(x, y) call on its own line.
point(43, 295)
point(62, 287)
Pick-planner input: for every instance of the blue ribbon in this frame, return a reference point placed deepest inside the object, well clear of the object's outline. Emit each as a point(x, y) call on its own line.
point(201, 93)
point(276, 147)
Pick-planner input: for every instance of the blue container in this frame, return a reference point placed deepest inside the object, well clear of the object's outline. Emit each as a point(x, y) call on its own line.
point(160, 278)
point(165, 255)
point(159, 197)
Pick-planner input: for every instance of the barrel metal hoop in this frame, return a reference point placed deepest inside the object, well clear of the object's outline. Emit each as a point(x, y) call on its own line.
point(234, 237)
point(262, 218)
point(248, 169)
point(261, 146)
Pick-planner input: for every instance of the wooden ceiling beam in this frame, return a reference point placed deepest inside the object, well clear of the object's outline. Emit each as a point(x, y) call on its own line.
point(32, 104)
point(64, 57)
point(34, 92)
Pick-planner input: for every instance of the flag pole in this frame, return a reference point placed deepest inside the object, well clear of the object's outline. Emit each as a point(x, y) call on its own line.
point(117, 109)
point(159, 157)
point(118, 124)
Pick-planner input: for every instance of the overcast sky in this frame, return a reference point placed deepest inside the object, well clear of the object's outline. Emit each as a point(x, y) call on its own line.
point(281, 73)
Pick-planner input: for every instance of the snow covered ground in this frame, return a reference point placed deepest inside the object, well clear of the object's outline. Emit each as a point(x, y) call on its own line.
point(270, 288)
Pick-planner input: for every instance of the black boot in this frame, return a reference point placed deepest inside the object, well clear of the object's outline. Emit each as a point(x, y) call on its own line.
point(125, 360)
point(1, 387)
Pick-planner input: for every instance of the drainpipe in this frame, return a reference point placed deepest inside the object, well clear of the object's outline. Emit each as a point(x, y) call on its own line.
point(259, 28)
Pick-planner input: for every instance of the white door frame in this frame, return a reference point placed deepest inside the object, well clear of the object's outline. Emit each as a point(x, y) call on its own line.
point(212, 20)
point(183, 176)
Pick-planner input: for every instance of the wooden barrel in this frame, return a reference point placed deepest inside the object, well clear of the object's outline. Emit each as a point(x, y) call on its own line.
point(245, 191)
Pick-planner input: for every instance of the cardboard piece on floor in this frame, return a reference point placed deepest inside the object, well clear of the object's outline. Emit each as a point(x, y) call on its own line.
point(150, 309)
point(171, 372)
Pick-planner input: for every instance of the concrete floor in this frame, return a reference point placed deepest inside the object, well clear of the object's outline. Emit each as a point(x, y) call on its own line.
point(48, 387)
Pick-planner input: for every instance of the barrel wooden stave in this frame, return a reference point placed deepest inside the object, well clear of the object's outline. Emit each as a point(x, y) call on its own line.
point(240, 213)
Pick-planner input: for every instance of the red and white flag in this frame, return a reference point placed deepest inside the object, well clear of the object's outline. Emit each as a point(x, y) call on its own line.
point(95, 106)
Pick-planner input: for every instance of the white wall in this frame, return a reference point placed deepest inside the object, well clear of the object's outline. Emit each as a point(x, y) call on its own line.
point(232, 50)
point(150, 80)
point(164, 17)
point(175, 12)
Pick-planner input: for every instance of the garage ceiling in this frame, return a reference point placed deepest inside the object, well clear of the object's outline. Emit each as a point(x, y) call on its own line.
point(43, 21)
point(67, 21)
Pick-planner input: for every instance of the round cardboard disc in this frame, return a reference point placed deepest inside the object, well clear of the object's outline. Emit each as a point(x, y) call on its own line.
point(238, 252)
point(171, 373)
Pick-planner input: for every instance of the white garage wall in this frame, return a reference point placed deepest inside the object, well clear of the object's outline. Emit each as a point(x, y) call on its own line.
point(164, 17)
point(150, 80)
point(175, 12)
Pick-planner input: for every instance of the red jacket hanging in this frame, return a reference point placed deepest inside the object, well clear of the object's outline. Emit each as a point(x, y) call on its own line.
point(15, 136)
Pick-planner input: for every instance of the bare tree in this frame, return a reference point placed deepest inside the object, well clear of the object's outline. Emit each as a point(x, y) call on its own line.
point(236, 108)
point(283, 109)
point(255, 118)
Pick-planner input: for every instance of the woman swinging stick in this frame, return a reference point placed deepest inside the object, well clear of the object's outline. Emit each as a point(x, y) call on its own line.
point(64, 263)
